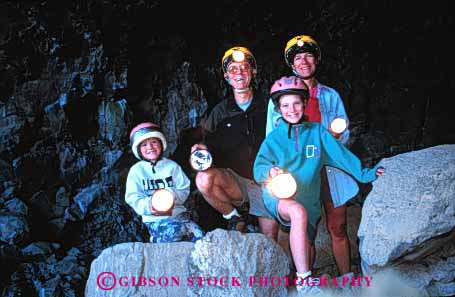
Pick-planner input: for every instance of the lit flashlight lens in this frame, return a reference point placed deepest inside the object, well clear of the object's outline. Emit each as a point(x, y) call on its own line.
point(238, 56)
point(162, 200)
point(283, 186)
point(338, 125)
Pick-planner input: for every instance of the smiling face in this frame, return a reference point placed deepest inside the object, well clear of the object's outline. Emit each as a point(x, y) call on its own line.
point(305, 64)
point(151, 149)
point(239, 74)
point(291, 107)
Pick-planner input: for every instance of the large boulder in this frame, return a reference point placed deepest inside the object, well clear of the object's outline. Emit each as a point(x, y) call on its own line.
point(435, 274)
point(223, 263)
point(140, 269)
point(411, 204)
point(249, 265)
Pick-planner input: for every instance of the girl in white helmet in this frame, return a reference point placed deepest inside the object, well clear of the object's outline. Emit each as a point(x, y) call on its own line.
point(303, 55)
point(301, 148)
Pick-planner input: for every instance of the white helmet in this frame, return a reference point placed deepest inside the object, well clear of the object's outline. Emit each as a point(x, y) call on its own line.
point(145, 131)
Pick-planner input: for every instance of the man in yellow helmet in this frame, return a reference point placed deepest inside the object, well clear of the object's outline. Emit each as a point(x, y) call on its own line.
point(234, 131)
point(303, 55)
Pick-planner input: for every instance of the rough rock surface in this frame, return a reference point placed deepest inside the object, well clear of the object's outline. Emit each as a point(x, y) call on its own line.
point(245, 257)
point(117, 270)
point(411, 204)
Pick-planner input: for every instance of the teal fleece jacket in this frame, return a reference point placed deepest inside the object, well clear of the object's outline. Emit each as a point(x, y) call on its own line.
point(302, 150)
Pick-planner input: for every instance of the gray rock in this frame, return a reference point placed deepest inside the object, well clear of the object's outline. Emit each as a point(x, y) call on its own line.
point(411, 204)
point(62, 201)
point(113, 120)
point(13, 229)
point(241, 259)
point(186, 105)
point(16, 206)
point(72, 162)
point(441, 289)
point(10, 133)
point(39, 248)
point(55, 115)
point(434, 274)
point(82, 201)
point(121, 266)
point(114, 80)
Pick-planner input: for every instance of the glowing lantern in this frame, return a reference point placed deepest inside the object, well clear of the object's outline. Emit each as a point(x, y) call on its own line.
point(162, 200)
point(338, 125)
point(238, 56)
point(283, 186)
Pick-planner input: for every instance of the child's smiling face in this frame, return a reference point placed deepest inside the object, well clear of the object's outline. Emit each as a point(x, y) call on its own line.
point(151, 149)
point(291, 107)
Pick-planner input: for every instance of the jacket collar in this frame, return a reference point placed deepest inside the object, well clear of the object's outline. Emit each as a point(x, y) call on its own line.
point(288, 128)
point(256, 103)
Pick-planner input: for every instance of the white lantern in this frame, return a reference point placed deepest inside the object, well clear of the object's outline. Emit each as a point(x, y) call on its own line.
point(283, 186)
point(162, 200)
point(201, 160)
point(338, 125)
point(238, 56)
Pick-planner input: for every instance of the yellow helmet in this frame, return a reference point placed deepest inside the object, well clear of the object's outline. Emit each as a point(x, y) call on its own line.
point(301, 44)
point(238, 54)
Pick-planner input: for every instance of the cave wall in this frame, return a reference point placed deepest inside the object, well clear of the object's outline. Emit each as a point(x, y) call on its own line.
point(75, 76)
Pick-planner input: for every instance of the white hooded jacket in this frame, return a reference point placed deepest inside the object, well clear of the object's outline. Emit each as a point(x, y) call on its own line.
point(143, 180)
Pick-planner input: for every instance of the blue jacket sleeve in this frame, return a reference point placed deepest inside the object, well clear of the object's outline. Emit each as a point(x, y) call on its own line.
point(265, 160)
point(336, 155)
point(340, 112)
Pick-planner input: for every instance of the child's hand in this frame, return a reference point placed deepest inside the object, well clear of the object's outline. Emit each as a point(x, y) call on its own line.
point(198, 146)
point(274, 171)
point(380, 171)
point(334, 134)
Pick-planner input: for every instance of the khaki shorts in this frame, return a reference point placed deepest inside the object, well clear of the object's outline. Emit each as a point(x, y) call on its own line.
point(251, 193)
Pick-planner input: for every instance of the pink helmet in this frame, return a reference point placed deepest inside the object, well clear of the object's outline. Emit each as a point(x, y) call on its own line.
point(145, 131)
point(288, 85)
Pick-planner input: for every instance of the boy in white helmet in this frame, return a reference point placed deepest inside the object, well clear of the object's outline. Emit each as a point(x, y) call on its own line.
point(155, 173)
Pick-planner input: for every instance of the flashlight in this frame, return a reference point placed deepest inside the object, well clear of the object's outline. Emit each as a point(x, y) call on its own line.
point(338, 125)
point(162, 200)
point(238, 56)
point(201, 160)
point(283, 185)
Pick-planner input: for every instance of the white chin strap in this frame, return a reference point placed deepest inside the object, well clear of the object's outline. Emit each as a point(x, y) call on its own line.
point(241, 91)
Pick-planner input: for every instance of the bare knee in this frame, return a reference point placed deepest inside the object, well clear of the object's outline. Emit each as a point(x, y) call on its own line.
point(269, 228)
point(204, 180)
point(298, 213)
point(337, 229)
